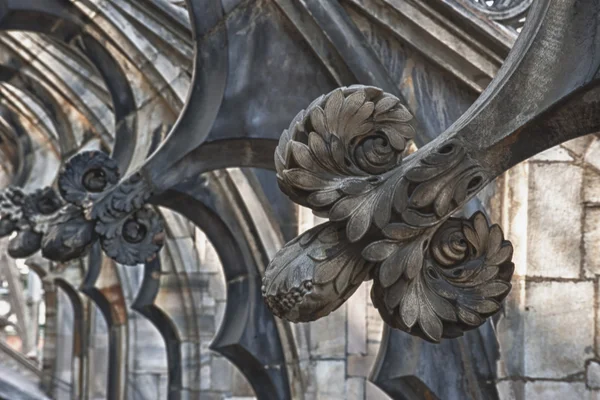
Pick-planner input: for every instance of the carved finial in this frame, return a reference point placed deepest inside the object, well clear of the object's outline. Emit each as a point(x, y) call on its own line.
point(344, 157)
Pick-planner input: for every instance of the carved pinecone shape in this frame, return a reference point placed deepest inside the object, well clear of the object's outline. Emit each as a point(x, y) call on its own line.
point(314, 274)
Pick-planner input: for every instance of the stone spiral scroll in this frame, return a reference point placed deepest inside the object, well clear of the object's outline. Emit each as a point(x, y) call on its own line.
point(390, 220)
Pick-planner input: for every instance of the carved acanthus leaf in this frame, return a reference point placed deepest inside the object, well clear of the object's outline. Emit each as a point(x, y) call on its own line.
point(443, 281)
point(342, 157)
point(314, 274)
point(67, 234)
point(11, 209)
point(435, 276)
point(331, 157)
point(130, 195)
point(102, 207)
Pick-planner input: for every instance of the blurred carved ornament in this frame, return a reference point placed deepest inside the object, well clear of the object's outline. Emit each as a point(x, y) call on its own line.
point(96, 206)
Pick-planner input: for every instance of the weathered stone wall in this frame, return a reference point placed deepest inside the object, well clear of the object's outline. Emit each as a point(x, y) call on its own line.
point(549, 334)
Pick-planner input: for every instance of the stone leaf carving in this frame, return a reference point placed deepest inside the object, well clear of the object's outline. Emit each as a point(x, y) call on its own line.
point(19, 212)
point(330, 157)
point(86, 175)
point(11, 212)
point(99, 206)
point(129, 232)
point(136, 238)
point(130, 195)
point(314, 274)
point(67, 234)
point(434, 276)
point(442, 281)
point(342, 157)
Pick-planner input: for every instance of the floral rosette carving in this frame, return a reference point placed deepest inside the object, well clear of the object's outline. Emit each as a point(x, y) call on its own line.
point(67, 234)
point(86, 175)
point(444, 281)
point(434, 276)
point(101, 206)
point(135, 239)
point(342, 158)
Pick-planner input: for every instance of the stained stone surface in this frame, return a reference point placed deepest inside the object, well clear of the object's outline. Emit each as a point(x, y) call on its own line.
point(559, 328)
point(557, 390)
point(592, 375)
point(592, 155)
point(328, 335)
point(549, 333)
point(591, 238)
point(591, 186)
point(557, 153)
point(330, 379)
point(554, 231)
point(579, 145)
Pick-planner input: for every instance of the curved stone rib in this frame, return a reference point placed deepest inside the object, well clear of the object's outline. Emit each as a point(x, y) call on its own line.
point(123, 100)
point(80, 337)
point(415, 375)
point(112, 59)
point(102, 285)
point(130, 232)
point(207, 88)
point(22, 163)
point(73, 22)
point(37, 92)
point(262, 362)
point(66, 278)
point(144, 304)
point(556, 81)
point(63, 90)
point(135, 55)
point(241, 152)
point(177, 297)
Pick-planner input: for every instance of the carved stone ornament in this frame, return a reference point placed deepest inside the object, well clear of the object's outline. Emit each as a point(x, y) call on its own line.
point(98, 207)
point(18, 212)
point(434, 276)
